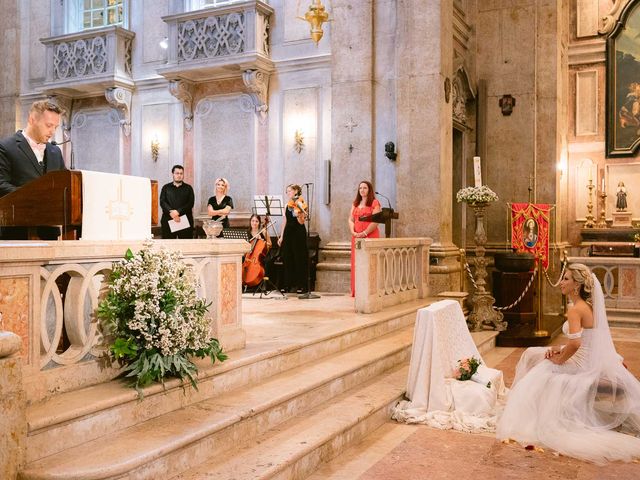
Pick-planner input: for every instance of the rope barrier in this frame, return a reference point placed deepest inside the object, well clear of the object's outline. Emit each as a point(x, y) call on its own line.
point(554, 285)
point(518, 300)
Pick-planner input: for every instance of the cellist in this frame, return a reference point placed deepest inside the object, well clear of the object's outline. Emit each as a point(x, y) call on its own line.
point(293, 241)
point(253, 265)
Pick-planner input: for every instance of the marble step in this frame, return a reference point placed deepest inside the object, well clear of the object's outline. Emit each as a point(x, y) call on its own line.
point(296, 448)
point(173, 442)
point(77, 417)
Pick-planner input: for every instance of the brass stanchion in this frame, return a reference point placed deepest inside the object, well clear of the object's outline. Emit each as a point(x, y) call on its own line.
point(539, 332)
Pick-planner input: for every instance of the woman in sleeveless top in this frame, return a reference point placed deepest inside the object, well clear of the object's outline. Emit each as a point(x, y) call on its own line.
point(577, 399)
point(365, 204)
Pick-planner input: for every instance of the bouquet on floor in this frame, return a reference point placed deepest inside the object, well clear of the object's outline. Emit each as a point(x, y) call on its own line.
point(467, 370)
point(153, 318)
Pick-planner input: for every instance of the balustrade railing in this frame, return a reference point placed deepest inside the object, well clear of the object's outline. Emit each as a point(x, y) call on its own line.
point(620, 279)
point(209, 42)
point(49, 294)
point(390, 271)
point(89, 61)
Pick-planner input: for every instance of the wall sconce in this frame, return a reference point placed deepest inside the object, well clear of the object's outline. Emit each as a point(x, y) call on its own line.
point(155, 148)
point(164, 43)
point(316, 16)
point(299, 139)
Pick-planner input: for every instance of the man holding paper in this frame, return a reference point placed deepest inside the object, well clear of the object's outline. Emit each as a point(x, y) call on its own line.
point(176, 201)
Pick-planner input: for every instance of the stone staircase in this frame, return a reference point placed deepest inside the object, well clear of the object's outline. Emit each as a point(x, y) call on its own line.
point(266, 413)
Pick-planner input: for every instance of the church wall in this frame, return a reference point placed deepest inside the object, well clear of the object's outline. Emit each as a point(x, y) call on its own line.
point(10, 34)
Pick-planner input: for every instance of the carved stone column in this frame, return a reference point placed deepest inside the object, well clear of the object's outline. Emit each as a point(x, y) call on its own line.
point(351, 107)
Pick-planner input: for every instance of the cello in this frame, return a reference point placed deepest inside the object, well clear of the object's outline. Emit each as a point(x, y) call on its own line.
point(253, 265)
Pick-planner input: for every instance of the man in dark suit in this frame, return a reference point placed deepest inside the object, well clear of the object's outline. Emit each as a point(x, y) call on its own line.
point(27, 155)
point(176, 201)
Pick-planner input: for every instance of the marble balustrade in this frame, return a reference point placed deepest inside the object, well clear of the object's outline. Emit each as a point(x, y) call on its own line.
point(620, 280)
point(390, 271)
point(62, 345)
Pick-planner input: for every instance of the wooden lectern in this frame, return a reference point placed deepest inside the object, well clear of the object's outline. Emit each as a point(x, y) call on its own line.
point(386, 215)
point(54, 199)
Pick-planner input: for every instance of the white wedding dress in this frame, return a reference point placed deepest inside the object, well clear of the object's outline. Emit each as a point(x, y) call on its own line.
point(579, 408)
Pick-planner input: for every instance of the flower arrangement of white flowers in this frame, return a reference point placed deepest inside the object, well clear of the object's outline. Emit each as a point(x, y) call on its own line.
point(155, 319)
point(481, 194)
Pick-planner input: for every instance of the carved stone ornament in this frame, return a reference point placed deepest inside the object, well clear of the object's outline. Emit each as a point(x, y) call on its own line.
point(183, 91)
point(257, 84)
point(447, 89)
point(461, 93)
point(120, 99)
point(610, 20)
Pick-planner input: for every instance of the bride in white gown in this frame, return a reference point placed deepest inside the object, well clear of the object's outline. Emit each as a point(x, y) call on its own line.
point(578, 399)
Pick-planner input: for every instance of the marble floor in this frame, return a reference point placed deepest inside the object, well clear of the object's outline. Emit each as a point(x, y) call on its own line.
point(399, 452)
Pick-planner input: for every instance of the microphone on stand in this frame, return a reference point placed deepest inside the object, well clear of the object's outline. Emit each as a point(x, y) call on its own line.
point(385, 197)
point(306, 184)
point(73, 165)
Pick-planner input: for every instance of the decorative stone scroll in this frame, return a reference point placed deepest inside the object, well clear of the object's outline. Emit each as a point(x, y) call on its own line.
point(212, 36)
point(257, 84)
point(80, 58)
point(183, 91)
point(611, 18)
point(120, 99)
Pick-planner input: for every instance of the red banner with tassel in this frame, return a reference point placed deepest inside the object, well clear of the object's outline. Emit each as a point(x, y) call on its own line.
point(530, 229)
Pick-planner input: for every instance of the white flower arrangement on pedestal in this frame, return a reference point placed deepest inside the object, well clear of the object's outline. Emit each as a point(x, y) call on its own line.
point(475, 195)
point(156, 321)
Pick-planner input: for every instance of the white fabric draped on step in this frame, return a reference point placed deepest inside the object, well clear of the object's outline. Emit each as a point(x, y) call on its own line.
point(441, 338)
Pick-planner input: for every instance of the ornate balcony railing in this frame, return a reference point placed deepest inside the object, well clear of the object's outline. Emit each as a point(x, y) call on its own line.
point(89, 62)
point(49, 293)
point(390, 271)
point(214, 42)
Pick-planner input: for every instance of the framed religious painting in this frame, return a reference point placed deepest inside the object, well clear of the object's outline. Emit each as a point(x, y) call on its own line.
point(623, 84)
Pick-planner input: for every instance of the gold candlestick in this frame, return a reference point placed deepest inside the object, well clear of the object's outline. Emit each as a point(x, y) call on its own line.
point(590, 223)
point(602, 222)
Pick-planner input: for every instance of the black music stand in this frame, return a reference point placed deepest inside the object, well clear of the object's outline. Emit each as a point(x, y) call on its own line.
point(236, 233)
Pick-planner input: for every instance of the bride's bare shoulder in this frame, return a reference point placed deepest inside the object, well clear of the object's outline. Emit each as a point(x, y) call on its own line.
point(585, 313)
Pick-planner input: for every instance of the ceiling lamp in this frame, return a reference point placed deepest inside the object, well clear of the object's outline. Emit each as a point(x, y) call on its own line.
point(316, 16)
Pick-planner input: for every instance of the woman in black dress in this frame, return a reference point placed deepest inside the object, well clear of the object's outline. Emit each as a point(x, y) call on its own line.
point(293, 241)
point(220, 204)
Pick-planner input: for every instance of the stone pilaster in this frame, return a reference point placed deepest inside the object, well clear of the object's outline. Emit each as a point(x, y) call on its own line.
point(351, 107)
point(424, 71)
point(10, 72)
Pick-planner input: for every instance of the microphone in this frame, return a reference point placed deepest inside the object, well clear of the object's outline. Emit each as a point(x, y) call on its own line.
point(306, 184)
point(385, 197)
point(73, 163)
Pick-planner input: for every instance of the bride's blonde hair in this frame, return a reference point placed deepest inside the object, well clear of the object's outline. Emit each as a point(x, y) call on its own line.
point(581, 274)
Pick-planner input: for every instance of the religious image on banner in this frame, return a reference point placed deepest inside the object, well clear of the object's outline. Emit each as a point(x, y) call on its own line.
point(530, 229)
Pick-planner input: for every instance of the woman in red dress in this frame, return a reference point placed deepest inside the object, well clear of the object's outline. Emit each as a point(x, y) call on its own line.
point(364, 204)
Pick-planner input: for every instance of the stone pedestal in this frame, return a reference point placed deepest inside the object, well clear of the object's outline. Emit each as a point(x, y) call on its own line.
point(13, 420)
point(622, 219)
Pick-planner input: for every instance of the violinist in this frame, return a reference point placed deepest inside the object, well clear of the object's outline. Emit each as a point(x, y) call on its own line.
point(293, 242)
point(364, 204)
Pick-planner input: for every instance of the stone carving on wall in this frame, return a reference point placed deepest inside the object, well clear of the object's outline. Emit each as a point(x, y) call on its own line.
point(462, 92)
point(257, 84)
point(263, 29)
point(79, 58)
point(128, 56)
point(213, 36)
point(183, 91)
point(611, 18)
point(120, 99)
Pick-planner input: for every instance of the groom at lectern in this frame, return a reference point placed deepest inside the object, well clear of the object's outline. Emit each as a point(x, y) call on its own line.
point(27, 155)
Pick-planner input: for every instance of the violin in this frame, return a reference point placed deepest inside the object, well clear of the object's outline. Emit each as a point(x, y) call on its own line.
point(298, 207)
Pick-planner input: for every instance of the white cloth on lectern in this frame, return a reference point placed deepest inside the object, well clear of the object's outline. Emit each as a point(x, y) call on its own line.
point(115, 207)
point(441, 338)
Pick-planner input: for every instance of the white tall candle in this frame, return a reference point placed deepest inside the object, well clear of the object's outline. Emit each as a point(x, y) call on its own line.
point(603, 184)
point(477, 171)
